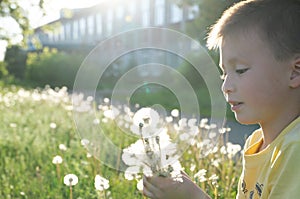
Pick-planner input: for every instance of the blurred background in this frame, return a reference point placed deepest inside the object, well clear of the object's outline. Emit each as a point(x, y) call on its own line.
point(43, 43)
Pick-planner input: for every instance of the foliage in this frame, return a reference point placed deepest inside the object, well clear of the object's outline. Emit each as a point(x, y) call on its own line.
point(15, 59)
point(37, 125)
point(13, 10)
point(3, 70)
point(209, 12)
point(51, 67)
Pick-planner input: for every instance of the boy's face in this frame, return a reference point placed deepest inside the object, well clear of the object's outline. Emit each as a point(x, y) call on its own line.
point(255, 84)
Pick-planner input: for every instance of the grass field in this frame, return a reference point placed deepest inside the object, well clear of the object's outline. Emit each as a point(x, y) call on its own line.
point(37, 125)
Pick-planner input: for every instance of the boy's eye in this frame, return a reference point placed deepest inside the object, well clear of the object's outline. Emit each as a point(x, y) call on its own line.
point(241, 71)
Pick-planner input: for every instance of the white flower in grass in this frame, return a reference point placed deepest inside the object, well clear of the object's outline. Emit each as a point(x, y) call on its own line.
point(175, 113)
point(111, 113)
point(169, 119)
point(224, 130)
point(214, 178)
point(106, 100)
point(230, 149)
point(101, 183)
point(187, 130)
point(200, 175)
point(104, 120)
point(84, 142)
point(96, 121)
point(53, 125)
point(203, 122)
point(70, 180)
point(140, 185)
point(62, 147)
point(88, 155)
point(147, 117)
point(57, 159)
point(13, 125)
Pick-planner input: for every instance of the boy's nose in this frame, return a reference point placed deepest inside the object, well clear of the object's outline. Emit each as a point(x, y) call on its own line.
point(227, 86)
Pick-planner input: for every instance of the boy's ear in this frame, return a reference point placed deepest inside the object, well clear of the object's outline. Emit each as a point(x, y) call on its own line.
point(295, 75)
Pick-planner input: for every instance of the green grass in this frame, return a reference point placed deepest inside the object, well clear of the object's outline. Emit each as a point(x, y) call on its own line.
point(28, 145)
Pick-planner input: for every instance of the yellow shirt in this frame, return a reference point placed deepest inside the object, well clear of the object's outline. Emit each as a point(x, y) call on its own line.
point(274, 172)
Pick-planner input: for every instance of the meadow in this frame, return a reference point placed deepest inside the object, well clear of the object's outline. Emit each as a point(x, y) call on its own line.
point(40, 146)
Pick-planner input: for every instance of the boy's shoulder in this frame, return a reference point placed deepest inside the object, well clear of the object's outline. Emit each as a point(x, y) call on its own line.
point(291, 134)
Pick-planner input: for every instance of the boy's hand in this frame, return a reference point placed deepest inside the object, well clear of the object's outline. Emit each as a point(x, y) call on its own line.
point(158, 187)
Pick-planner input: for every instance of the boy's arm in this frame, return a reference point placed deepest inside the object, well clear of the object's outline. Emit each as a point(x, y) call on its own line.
point(165, 188)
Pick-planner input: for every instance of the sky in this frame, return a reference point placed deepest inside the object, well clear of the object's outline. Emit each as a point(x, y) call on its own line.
point(36, 17)
point(52, 8)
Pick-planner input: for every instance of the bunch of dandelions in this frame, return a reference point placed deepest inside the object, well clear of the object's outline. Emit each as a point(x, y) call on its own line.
point(153, 153)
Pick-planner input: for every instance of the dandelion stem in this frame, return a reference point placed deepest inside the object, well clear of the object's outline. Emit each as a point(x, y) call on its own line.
point(71, 194)
point(119, 156)
point(58, 171)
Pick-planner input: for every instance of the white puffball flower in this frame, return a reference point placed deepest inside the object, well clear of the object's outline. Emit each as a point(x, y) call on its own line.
point(101, 183)
point(57, 159)
point(175, 113)
point(140, 185)
point(84, 142)
point(70, 180)
point(200, 175)
point(106, 100)
point(169, 119)
point(62, 147)
point(147, 117)
point(53, 125)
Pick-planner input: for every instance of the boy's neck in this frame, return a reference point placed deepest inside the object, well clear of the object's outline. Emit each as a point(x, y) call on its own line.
point(271, 130)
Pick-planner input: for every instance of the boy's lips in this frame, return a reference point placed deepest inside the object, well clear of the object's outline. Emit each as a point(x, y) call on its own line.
point(235, 105)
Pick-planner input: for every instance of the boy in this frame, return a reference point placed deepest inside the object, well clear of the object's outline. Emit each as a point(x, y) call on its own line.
point(259, 43)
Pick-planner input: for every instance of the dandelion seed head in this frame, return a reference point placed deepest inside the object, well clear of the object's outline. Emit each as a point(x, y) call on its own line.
point(175, 113)
point(212, 135)
point(90, 98)
point(111, 113)
point(96, 121)
point(169, 119)
point(106, 100)
point(13, 125)
point(192, 167)
point(57, 159)
point(70, 180)
point(140, 185)
point(104, 120)
point(88, 155)
point(62, 147)
point(52, 125)
point(200, 175)
point(84, 142)
point(101, 183)
point(146, 116)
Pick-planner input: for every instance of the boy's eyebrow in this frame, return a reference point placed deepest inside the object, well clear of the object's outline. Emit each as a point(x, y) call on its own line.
point(231, 62)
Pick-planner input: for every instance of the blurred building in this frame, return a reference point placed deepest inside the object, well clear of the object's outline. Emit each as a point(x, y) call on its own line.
point(86, 27)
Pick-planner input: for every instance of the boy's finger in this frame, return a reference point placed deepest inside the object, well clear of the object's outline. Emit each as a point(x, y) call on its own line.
point(149, 186)
point(147, 193)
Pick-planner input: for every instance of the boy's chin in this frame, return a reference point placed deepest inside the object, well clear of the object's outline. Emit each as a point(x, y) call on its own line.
point(244, 120)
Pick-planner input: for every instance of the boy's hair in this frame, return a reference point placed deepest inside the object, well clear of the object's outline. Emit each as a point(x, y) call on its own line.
point(277, 22)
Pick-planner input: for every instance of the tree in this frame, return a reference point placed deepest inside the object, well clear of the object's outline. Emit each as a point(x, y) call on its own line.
point(11, 11)
point(209, 12)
